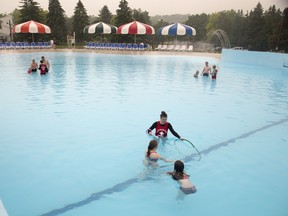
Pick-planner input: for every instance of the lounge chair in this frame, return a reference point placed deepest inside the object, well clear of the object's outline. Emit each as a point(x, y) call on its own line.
point(141, 46)
point(190, 48)
point(135, 47)
point(129, 46)
point(164, 47)
point(123, 46)
point(158, 47)
point(177, 47)
point(170, 48)
point(183, 48)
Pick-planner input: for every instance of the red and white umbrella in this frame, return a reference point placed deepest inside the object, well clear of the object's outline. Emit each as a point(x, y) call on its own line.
point(32, 27)
point(136, 28)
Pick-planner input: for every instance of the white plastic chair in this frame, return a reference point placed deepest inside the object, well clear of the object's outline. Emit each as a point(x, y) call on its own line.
point(158, 47)
point(183, 48)
point(177, 47)
point(190, 48)
point(170, 48)
point(164, 47)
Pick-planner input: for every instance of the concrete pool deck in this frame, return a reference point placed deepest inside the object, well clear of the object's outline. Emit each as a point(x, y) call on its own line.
point(120, 52)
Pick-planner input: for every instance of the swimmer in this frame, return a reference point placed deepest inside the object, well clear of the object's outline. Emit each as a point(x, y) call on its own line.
point(214, 72)
point(162, 127)
point(183, 179)
point(196, 74)
point(151, 156)
point(46, 62)
point(206, 70)
point(42, 68)
point(33, 66)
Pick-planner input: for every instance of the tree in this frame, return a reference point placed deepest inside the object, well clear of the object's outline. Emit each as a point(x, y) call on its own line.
point(199, 22)
point(255, 34)
point(283, 34)
point(80, 20)
point(271, 28)
point(141, 16)
point(123, 15)
point(30, 10)
point(56, 20)
point(105, 15)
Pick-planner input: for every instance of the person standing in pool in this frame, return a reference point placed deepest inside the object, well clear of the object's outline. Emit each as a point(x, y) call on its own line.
point(206, 70)
point(214, 72)
point(46, 62)
point(162, 127)
point(42, 68)
point(33, 66)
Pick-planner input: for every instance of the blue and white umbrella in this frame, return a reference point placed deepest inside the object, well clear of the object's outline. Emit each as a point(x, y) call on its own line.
point(177, 29)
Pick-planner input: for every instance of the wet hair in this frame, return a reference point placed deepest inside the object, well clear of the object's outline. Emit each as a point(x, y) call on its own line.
point(163, 114)
point(178, 170)
point(41, 61)
point(151, 146)
point(214, 66)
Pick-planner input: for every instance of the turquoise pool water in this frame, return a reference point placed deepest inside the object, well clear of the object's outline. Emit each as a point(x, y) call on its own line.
point(72, 142)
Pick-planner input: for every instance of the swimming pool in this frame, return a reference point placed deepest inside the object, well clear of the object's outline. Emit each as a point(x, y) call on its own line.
point(72, 142)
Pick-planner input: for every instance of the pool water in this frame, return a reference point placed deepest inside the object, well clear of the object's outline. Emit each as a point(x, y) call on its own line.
point(72, 142)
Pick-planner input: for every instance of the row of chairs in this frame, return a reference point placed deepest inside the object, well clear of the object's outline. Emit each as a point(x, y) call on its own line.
point(25, 45)
point(114, 46)
point(172, 47)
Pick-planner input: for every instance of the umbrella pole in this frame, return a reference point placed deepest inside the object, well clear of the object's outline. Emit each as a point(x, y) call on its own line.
point(135, 38)
point(32, 37)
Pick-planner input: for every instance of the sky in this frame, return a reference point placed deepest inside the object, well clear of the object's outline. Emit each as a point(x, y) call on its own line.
point(155, 7)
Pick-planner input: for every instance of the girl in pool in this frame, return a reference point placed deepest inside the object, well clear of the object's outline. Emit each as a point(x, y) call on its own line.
point(33, 66)
point(183, 179)
point(162, 127)
point(42, 68)
point(152, 156)
point(214, 72)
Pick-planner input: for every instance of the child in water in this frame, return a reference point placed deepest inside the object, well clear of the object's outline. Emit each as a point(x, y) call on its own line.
point(152, 156)
point(214, 72)
point(42, 68)
point(183, 179)
point(196, 74)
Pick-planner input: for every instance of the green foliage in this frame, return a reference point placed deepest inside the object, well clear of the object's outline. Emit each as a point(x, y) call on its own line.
point(283, 32)
point(105, 15)
point(199, 22)
point(56, 21)
point(141, 16)
point(123, 15)
point(30, 10)
point(80, 20)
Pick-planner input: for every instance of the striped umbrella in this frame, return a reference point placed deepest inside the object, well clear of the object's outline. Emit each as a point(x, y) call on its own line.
point(177, 29)
point(32, 27)
point(136, 28)
point(100, 28)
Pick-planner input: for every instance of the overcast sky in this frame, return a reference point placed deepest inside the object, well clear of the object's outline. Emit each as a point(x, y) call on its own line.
point(155, 7)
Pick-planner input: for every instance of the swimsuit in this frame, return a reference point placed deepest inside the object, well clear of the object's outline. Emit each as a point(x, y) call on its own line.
point(189, 190)
point(162, 130)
